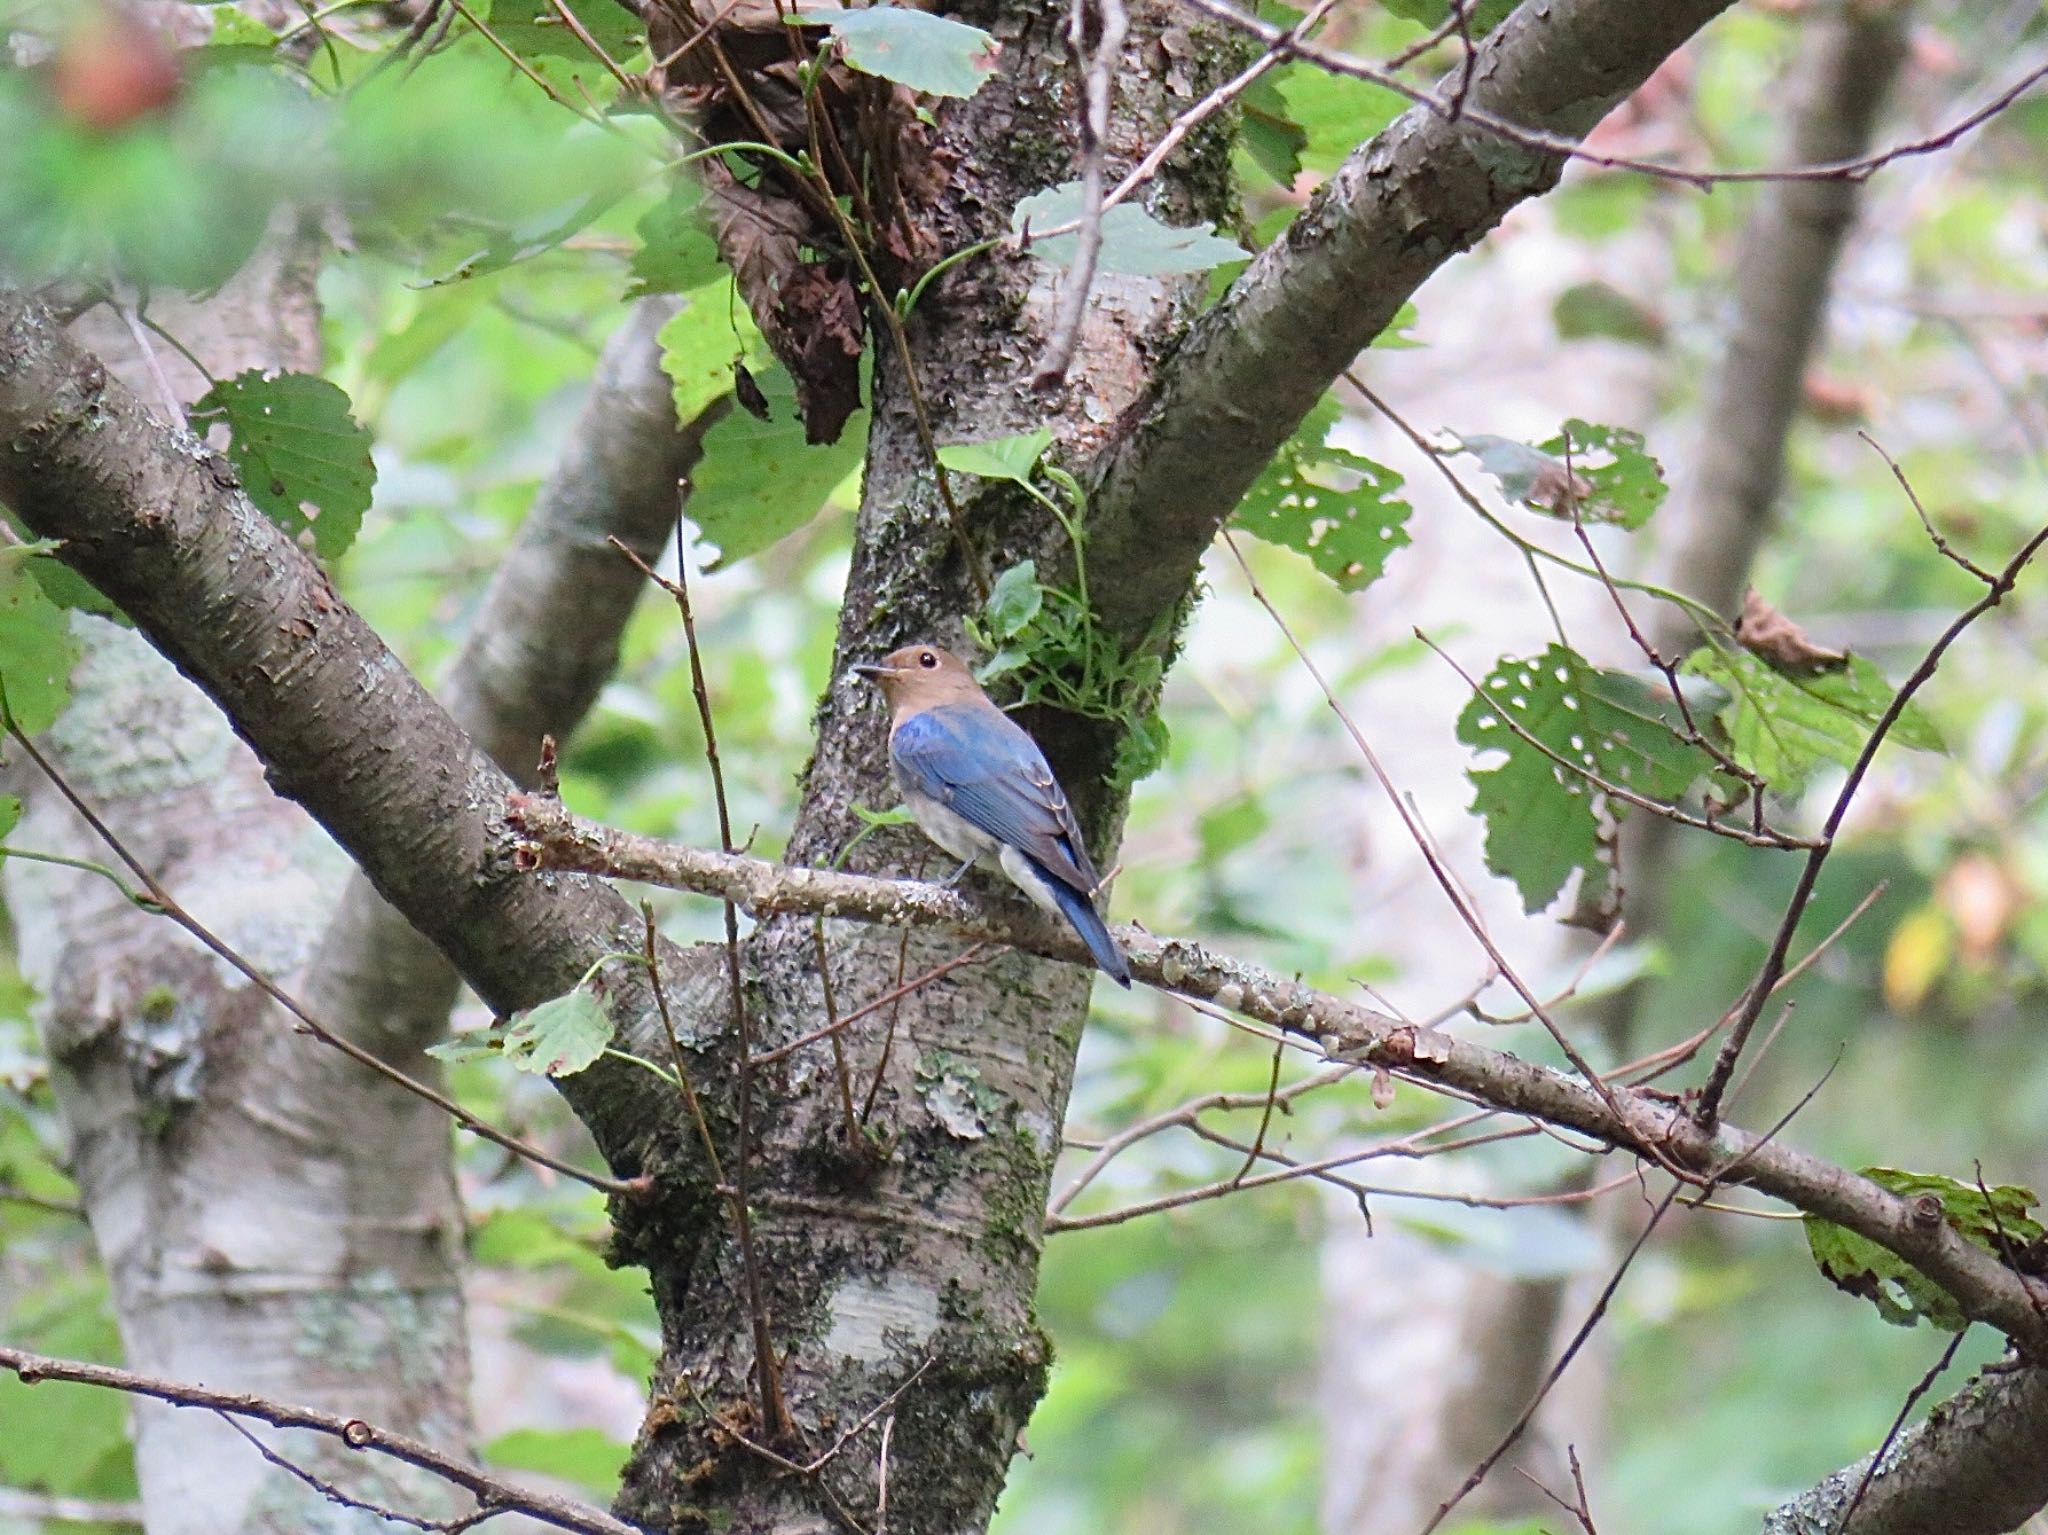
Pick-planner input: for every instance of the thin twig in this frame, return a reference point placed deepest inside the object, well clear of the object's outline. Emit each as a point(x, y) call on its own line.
point(1774, 962)
point(1891, 1436)
point(1941, 545)
point(1557, 1370)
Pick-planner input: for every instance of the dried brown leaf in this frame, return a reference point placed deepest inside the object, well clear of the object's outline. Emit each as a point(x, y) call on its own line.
point(1772, 637)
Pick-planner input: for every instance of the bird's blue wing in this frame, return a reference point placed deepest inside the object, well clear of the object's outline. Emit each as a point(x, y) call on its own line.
point(983, 767)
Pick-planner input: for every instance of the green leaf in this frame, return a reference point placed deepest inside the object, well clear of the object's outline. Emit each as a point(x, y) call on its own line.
point(535, 237)
point(1003, 458)
point(458, 1048)
point(759, 480)
point(928, 53)
point(1996, 1218)
point(560, 1037)
point(1609, 478)
point(1014, 600)
point(701, 342)
point(1133, 242)
point(1601, 309)
point(303, 459)
point(533, 29)
point(1271, 136)
point(1483, 18)
point(1342, 511)
point(1782, 726)
point(37, 651)
point(587, 1456)
point(10, 814)
point(677, 252)
point(1543, 820)
point(1335, 113)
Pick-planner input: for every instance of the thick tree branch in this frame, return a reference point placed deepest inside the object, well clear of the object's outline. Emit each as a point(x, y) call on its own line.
point(544, 642)
point(1975, 1467)
point(1399, 208)
point(1651, 1127)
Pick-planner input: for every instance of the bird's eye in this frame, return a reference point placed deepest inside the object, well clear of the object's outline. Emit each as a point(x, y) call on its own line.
point(927, 660)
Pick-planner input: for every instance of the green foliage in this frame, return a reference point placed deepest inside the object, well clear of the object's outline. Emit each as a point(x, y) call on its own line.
point(36, 648)
point(534, 30)
point(586, 1456)
point(1333, 114)
point(1544, 818)
point(1596, 308)
point(928, 53)
point(557, 1038)
point(303, 459)
point(676, 253)
point(1133, 241)
point(1995, 1217)
point(1599, 473)
point(1483, 18)
point(1784, 725)
point(1005, 458)
point(1342, 511)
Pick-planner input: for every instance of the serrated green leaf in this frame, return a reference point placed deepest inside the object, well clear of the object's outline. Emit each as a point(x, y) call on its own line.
point(37, 651)
point(1342, 511)
point(560, 1037)
point(677, 252)
point(1605, 477)
point(932, 54)
point(587, 1456)
point(1783, 726)
point(1014, 600)
point(1003, 458)
point(1995, 1217)
point(759, 480)
point(1133, 242)
point(297, 446)
point(1543, 820)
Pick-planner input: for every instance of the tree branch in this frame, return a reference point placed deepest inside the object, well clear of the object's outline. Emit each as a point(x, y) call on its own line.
point(493, 1493)
point(1975, 1467)
point(1649, 1126)
point(1396, 210)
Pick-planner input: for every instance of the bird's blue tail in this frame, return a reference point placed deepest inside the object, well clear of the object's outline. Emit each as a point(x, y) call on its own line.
point(1080, 911)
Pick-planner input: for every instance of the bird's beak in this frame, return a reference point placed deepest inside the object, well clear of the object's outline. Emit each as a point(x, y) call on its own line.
point(870, 672)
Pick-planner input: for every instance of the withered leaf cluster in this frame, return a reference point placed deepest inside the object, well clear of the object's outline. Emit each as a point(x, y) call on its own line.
point(736, 72)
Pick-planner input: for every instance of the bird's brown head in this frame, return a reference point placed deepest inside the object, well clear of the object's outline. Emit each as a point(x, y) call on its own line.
point(920, 677)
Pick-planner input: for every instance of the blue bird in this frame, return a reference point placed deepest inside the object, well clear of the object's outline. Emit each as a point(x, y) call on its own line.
point(980, 788)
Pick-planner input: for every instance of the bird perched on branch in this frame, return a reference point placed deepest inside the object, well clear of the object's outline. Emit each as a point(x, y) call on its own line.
point(980, 788)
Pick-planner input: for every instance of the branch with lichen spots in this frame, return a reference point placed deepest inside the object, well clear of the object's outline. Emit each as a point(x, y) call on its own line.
point(1649, 1126)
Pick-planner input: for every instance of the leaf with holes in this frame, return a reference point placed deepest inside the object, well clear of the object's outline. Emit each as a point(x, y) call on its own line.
point(1342, 511)
point(1133, 242)
point(928, 53)
point(1782, 726)
point(1995, 1217)
point(37, 651)
point(560, 1037)
point(1543, 818)
point(1605, 477)
point(303, 459)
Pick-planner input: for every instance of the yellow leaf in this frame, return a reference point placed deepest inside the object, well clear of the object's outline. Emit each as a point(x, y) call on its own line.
point(1920, 949)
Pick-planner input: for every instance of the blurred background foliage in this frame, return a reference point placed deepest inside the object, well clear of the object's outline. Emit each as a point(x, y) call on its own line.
point(485, 238)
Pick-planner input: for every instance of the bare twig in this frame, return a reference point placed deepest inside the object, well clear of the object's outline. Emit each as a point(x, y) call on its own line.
point(1781, 943)
point(1098, 69)
point(495, 1494)
point(1941, 545)
point(1891, 1437)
